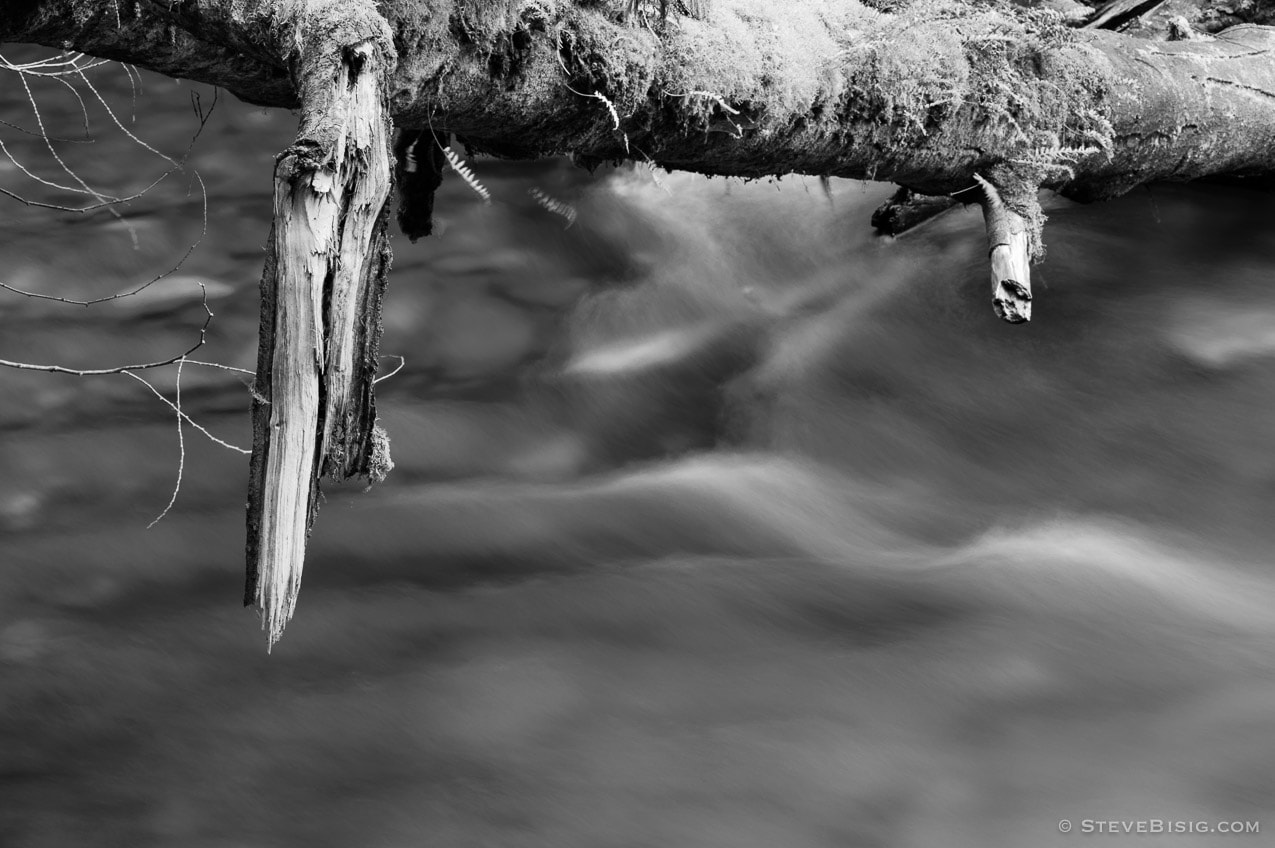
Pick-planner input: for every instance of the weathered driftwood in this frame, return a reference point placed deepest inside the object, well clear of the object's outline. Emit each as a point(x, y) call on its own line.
point(927, 95)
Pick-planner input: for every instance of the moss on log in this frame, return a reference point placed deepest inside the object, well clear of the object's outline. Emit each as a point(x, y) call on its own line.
point(937, 96)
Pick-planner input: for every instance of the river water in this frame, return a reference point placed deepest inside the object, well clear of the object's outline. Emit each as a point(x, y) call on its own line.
point(716, 521)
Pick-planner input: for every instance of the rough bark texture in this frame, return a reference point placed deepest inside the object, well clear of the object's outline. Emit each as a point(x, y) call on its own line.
point(934, 95)
point(317, 415)
point(925, 96)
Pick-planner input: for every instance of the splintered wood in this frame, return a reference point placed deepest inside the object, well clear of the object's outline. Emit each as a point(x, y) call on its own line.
point(323, 287)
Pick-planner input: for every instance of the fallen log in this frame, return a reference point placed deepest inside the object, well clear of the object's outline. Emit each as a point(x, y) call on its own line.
point(935, 96)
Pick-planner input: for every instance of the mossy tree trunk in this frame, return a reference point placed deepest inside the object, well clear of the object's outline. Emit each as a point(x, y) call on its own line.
point(937, 96)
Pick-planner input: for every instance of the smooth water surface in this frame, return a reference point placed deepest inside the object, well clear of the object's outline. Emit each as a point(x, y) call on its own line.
point(716, 521)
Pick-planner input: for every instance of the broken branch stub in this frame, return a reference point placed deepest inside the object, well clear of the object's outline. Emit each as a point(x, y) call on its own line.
point(418, 172)
point(313, 410)
point(1009, 252)
point(905, 210)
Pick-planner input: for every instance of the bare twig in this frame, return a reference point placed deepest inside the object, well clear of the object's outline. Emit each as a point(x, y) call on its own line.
point(78, 210)
point(203, 191)
point(84, 187)
point(63, 139)
point(96, 372)
point(222, 367)
point(104, 200)
point(176, 408)
point(181, 445)
point(401, 362)
point(115, 119)
point(68, 65)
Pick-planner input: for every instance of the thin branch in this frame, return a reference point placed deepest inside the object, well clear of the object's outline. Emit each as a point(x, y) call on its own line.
point(135, 85)
point(197, 105)
point(84, 109)
point(203, 191)
point(101, 198)
point(39, 120)
point(78, 210)
point(192, 422)
point(72, 61)
point(94, 372)
point(76, 67)
point(50, 183)
point(115, 119)
point(181, 445)
point(63, 139)
point(401, 362)
point(223, 367)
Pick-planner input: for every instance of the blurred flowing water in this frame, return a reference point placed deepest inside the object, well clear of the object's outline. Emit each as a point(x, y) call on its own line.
point(717, 521)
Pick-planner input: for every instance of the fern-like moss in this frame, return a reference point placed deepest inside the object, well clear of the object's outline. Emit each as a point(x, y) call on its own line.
point(466, 174)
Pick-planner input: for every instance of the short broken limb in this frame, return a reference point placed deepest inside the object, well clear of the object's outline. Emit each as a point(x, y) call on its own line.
point(1120, 12)
point(419, 159)
point(906, 210)
point(1180, 29)
point(1009, 250)
point(313, 410)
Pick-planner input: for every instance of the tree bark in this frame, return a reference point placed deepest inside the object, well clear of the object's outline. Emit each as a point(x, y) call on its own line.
point(925, 97)
point(938, 97)
point(314, 413)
